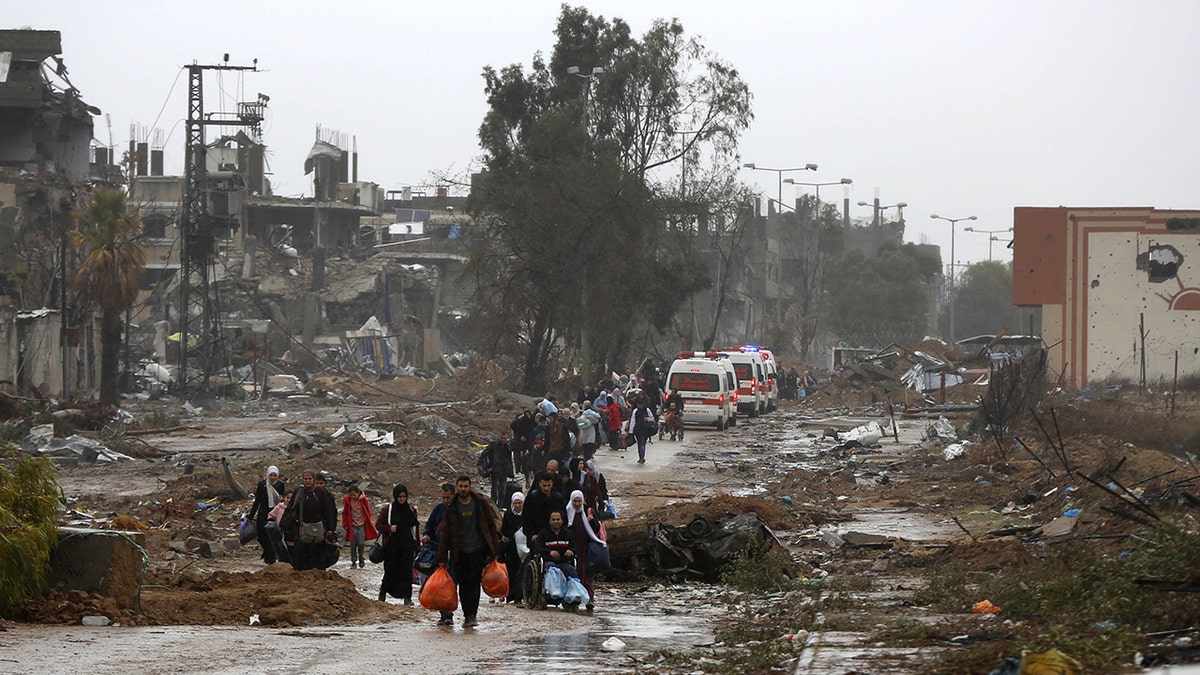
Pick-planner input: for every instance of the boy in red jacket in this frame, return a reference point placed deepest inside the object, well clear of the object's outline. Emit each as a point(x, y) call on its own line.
point(356, 518)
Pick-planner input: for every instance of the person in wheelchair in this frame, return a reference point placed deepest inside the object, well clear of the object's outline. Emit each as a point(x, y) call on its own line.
point(556, 545)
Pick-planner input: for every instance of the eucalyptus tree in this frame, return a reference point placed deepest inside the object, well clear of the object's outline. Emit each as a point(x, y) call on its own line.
point(576, 215)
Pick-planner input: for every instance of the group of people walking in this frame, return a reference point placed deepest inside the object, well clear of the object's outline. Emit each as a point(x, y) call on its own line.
point(462, 533)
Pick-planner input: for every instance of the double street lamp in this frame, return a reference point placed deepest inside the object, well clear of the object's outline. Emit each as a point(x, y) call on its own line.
point(991, 236)
point(779, 199)
point(587, 86)
point(880, 208)
point(818, 186)
point(952, 222)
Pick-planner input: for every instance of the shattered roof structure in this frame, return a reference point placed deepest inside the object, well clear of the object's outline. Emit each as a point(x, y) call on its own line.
point(44, 124)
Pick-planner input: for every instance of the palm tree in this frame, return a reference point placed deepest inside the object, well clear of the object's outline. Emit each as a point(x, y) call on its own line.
point(109, 274)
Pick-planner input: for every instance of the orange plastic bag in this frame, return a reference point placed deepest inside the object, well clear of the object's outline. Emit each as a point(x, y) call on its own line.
point(439, 592)
point(495, 579)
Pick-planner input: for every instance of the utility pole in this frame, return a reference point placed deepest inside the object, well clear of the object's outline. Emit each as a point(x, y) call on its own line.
point(198, 293)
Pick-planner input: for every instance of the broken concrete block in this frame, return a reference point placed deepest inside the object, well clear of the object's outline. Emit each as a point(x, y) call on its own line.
point(230, 544)
point(177, 546)
point(210, 549)
point(865, 540)
point(95, 621)
point(97, 561)
point(194, 543)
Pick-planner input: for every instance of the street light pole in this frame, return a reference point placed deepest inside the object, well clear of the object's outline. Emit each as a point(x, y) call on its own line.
point(817, 186)
point(587, 88)
point(779, 172)
point(990, 237)
point(952, 222)
point(880, 208)
point(585, 354)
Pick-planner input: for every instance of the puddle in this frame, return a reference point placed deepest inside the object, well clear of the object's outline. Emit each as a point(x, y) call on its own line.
point(674, 617)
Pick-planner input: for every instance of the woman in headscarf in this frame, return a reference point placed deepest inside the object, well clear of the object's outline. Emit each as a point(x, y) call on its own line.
point(574, 478)
point(510, 553)
point(266, 496)
point(397, 523)
point(585, 529)
point(594, 488)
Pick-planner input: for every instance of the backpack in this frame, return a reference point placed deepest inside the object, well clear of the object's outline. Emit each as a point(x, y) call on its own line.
point(485, 463)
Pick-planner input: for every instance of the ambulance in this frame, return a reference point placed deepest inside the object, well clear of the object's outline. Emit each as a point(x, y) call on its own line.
point(771, 367)
point(706, 382)
point(751, 380)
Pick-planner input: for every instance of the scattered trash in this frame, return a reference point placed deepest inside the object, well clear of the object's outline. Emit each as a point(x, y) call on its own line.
point(942, 430)
point(95, 620)
point(954, 450)
point(1071, 513)
point(985, 607)
point(1049, 662)
point(253, 619)
point(613, 644)
point(867, 434)
point(71, 449)
point(284, 384)
point(367, 433)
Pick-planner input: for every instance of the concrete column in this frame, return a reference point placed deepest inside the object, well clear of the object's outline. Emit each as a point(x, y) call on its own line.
point(318, 274)
point(249, 247)
point(311, 318)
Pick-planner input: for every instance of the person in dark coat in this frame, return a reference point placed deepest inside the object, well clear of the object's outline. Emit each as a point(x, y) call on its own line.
point(397, 524)
point(510, 526)
point(266, 496)
point(539, 505)
point(310, 505)
point(470, 540)
point(502, 467)
point(432, 534)
point(594, 488)
point(522, 428)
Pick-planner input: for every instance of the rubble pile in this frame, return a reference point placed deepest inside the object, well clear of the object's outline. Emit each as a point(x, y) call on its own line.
point(919, 376)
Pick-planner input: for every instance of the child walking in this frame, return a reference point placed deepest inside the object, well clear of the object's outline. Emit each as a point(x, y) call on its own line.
point(356, 519)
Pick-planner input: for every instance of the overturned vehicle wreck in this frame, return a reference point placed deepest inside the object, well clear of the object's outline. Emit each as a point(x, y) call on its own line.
point(700, 549)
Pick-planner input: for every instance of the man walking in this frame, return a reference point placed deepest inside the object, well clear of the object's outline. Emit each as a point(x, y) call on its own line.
point(310, 521)
point(469, 541)
point(500, 463)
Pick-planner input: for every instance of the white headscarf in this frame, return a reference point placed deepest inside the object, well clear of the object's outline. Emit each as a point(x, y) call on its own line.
point(512, 505)
point(572, 511)
point(272, 495)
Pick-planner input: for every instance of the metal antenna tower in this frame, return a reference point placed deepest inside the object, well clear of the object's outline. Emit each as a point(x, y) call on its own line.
point(200, 308)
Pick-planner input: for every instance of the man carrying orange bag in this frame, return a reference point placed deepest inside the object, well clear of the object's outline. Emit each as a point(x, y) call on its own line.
point(469, 541)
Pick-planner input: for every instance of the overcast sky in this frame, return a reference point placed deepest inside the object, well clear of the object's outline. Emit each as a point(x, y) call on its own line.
point(957, 108)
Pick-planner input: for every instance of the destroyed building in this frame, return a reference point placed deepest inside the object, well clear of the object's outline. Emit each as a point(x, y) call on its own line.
point(1118, 290)
point(45, 161)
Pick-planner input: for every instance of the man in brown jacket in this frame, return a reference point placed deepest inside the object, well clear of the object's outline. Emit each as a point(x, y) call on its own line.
point(470, 541)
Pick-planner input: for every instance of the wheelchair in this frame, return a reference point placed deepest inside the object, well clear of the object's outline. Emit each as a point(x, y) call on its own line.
point(533, 590)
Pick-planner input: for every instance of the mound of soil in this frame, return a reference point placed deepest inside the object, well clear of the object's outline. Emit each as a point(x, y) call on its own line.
point(279, 595)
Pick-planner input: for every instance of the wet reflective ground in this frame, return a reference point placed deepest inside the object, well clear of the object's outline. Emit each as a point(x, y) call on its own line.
point(644, 617)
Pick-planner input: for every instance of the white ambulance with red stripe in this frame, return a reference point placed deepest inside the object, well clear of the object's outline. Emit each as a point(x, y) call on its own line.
point(706, 382)
point(751, 381)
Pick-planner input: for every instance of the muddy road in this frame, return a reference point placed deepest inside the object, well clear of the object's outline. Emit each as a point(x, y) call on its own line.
point(645, 617)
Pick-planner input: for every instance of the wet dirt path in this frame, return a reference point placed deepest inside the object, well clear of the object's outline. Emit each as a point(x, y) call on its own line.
point(510, 639)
